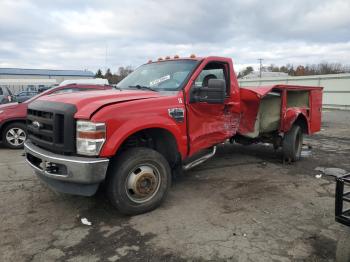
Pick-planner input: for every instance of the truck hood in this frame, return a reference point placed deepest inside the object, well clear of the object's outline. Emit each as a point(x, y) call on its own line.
point(88, 102)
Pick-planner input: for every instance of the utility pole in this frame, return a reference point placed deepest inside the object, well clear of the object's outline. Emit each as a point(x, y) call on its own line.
point(260, 61)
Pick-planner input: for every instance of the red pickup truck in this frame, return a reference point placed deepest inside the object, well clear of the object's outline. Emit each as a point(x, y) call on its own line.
point(13, 115)
point(167, 115)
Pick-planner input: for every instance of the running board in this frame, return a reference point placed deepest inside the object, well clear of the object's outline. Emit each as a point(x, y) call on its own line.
point(199, 160)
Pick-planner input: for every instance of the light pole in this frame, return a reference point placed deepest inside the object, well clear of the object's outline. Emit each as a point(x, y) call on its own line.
point(260, 61)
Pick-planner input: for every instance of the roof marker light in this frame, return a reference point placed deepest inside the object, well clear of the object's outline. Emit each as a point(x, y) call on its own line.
point(176, 56)
point(149, 61)
point(167, 57)
point(160, 59)
point(192, 56)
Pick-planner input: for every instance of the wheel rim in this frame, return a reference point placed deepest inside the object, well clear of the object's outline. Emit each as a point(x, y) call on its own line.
point(143, 183)
point(16, 136)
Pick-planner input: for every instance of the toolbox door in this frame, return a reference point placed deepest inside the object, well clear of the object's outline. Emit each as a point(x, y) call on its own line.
point(316, 110)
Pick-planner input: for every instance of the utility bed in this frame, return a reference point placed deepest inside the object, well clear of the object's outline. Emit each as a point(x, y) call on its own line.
point(269, 109)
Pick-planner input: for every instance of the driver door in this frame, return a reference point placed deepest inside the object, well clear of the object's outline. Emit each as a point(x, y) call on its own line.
point(209, 124)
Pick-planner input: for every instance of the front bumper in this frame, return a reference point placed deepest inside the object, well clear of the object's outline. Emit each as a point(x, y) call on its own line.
point(67, 174)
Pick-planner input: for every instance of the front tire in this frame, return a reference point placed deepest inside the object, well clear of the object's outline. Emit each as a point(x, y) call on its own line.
point(14, 135)
point(292, 144)
point(138, 180)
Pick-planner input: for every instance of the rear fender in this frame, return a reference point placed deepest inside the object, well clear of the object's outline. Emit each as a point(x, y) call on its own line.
point(293, 115)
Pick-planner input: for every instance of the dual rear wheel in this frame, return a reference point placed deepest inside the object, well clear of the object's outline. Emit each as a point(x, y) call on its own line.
point(292, 144)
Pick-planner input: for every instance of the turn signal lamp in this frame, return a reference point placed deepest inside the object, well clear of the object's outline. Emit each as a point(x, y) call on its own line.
point(90, 137)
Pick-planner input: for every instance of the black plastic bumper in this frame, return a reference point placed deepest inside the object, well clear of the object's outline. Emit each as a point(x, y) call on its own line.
point(342, 200)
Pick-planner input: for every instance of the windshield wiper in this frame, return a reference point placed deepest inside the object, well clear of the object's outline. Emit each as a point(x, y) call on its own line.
point(143, 87)
point(117, 87)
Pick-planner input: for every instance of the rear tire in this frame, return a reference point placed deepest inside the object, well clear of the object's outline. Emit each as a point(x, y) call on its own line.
point(292, 144)
point(343, 247)
point(14, 135)
point(138, 180)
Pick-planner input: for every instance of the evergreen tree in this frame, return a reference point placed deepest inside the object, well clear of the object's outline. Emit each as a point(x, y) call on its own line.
point(99, 74)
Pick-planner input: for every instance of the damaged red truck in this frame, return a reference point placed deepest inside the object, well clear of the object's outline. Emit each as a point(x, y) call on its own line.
point(166, 116)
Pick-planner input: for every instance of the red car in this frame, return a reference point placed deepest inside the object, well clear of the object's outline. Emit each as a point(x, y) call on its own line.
point(13, 115)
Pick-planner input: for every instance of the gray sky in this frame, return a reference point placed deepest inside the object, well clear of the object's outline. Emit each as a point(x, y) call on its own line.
point(75, 34)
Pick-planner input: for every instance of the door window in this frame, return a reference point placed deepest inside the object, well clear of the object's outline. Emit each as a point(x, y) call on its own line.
point(213, 70)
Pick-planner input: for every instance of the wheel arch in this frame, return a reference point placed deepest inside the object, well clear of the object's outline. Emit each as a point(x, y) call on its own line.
point(9, 122)
point(303, 123)
point(160, 139)
point(293, 117)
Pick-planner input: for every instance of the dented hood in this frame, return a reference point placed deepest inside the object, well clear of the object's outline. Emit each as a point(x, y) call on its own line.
point(88, 102)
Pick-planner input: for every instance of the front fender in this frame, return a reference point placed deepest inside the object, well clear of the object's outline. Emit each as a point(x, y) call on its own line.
point(116, 135)
point(291, 115)
point(4, 122)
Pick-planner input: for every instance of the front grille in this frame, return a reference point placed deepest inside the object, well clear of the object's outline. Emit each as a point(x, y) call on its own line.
point(52, 126)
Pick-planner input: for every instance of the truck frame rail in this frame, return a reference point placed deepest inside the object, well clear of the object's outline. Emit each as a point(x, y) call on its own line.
point(342, 196)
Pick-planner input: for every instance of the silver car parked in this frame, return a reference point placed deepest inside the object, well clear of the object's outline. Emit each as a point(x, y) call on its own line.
point(5, 95)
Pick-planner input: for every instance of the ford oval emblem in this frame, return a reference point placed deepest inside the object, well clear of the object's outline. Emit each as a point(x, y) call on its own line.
point(36, 124)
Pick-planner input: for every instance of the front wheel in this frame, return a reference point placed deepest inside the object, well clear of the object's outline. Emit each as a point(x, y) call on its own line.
point(138, 180)
point(14, 135)
point(292, 144)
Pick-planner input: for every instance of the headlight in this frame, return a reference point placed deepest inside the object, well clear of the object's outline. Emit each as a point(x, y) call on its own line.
point(90, 137)
point(1, 111)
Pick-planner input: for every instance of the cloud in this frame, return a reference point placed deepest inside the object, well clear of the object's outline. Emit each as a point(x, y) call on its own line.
point(99, 34)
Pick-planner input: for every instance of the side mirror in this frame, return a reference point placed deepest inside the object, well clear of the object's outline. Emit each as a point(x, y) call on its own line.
point(213, 94)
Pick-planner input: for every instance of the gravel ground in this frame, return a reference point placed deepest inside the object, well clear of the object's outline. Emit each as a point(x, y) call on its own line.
point(242, 205)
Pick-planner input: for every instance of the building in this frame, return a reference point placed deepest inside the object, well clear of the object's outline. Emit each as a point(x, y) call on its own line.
point(264, 74)
point(18, 79)
point(336, 92)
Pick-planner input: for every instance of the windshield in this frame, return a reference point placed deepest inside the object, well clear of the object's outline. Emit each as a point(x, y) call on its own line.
point(162, 76)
